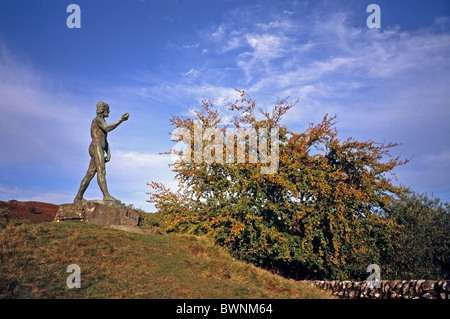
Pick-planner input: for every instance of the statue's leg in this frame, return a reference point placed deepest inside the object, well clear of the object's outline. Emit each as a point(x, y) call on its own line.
point(85, 182)
point(101, 173)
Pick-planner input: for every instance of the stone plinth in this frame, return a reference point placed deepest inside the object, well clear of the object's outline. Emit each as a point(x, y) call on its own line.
point(99, 213)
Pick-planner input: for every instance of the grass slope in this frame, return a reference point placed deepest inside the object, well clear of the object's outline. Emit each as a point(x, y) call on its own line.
point(119, 264)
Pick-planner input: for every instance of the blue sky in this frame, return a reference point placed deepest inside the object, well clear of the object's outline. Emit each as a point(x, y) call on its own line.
point(158, 59)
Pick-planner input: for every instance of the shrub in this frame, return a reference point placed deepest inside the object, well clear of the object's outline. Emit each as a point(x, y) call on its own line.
point(4, 217)
point(321, 214)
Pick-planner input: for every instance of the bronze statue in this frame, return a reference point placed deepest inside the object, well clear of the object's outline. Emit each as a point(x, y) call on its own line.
point(97, 149)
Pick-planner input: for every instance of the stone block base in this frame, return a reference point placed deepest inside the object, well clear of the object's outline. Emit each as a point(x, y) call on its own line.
point(99, 213)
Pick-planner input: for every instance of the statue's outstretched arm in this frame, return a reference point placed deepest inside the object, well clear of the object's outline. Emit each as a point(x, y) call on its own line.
point(112, 126)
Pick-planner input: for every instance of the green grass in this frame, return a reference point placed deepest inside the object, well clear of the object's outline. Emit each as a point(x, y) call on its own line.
point(119, 264)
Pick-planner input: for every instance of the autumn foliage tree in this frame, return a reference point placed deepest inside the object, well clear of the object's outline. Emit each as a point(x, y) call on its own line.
point(322, 214)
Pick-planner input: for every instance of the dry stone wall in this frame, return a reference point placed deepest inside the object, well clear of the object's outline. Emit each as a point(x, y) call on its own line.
point(390, 289)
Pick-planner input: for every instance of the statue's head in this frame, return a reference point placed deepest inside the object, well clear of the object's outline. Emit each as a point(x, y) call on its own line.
point(102, 108)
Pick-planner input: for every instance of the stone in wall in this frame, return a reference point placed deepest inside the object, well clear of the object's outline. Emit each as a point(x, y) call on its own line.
point(390, 289)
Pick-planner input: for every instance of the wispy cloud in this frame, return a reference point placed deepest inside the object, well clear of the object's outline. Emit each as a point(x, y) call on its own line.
point(191, 46)
point(185, 94)
point(130, 171)
point(36, 124)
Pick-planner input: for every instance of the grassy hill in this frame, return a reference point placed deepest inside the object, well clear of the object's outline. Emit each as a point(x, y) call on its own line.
point(119, 264)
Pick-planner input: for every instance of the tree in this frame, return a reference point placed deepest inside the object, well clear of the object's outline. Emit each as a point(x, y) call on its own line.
point(422, 247)
point(321, 214)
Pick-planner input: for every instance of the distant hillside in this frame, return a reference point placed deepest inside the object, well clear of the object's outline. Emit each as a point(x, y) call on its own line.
point(34, 211)
point(119, 264)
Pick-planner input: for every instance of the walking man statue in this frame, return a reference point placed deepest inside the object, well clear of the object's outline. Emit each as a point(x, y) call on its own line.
point(97, 149)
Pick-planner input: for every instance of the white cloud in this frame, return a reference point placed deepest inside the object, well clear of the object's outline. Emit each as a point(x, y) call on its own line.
point(191, 46)
point(186, 94)
point(233, 43)
point(191, 72)
point(129, 172)
point(265, 46)
point(219, 33)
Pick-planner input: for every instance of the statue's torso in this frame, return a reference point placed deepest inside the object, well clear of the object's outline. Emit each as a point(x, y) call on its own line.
point(98, 134)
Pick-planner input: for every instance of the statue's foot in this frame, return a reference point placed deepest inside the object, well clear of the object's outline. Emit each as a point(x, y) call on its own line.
point(79, 200)
point(110, 198)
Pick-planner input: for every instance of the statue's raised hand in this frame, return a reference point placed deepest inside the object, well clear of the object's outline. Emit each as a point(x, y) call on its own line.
point(125, 116)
